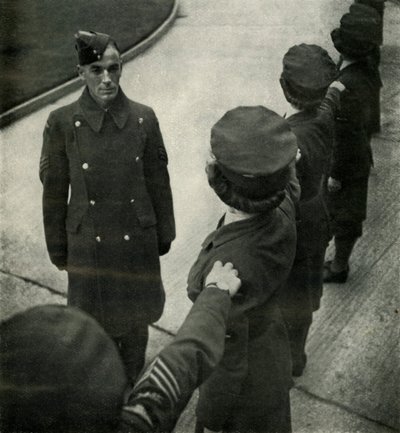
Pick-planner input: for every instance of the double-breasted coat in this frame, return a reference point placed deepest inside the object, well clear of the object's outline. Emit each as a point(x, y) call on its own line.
point(352, 154)
point(107, 208)
point(302, 292)
point(249, 390)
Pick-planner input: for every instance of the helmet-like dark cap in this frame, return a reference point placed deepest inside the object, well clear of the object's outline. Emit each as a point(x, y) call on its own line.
point(364, 11)
point(358, 33)
point(58, 367)
point(378, 5)
point(253, 146)
point(91, 46)
point(307, 72)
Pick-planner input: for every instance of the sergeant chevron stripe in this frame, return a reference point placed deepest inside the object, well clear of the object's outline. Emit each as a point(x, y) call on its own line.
point(159, 373)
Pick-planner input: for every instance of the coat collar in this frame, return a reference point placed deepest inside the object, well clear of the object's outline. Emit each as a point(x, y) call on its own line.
point(94, 114)
point(234, 230)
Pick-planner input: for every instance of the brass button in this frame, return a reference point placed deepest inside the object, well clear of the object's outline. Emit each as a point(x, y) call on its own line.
point(132, 200)
point(77, 123)
point(85, 165)
point(98, 239)
point(127, 237)
point(137, 159)
point(92, 202)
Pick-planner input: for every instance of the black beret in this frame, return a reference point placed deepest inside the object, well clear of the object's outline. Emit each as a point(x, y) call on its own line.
point(57, 363)
point(358, 34)
point(307, 72)
point(253, 146)
point(91, 46)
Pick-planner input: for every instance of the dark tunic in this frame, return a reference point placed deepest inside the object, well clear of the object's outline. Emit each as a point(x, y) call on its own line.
point(249, 390)
point(114, 167)
point(302, 292)
point(164, 389)
point(352, 155)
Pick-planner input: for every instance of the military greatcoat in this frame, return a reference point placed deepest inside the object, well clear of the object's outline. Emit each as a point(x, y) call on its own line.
point(249, 390)
point(107, 207)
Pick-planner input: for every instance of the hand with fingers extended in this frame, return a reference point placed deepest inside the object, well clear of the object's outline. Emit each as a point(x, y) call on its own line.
point(225, 277)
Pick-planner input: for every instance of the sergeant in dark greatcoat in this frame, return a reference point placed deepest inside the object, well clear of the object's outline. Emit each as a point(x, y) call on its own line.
point(307, 72)
point(253, 175)
point(352, 155)
point(60, 372)
point(107, 203)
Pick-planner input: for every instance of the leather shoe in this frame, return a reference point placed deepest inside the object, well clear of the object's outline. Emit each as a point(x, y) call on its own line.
point(334, 277)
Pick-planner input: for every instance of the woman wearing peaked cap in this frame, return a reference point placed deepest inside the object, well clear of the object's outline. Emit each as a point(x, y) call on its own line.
point(355, 39)
point(307, 72)
point(253, 175)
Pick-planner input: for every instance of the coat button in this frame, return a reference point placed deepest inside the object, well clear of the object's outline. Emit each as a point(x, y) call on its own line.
point(137, 159)
point(77, 124)
point(132, 200)
point(85, 165)
point(98, 239)
point(92, 202)
point(126, 237)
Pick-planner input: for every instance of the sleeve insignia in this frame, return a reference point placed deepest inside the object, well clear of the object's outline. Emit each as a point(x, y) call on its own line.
point(162, 154)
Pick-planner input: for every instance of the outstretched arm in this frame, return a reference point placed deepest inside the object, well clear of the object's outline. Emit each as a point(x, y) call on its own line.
point(163, 391)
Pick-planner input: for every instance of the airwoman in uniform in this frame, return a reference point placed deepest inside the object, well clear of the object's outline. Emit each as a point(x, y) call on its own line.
point(355, 40)
point(253, 175)
point(307, 72)
point(107, 203)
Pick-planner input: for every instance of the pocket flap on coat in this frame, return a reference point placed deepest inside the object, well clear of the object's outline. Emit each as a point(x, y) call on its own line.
point(147, 219)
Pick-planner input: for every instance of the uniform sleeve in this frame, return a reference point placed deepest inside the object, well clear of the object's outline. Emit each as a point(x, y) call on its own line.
point(54, 176)
point(158, 183)
point(315, 140)
point(348, 127)
point(165, 388)
point(293, 189)
point(330, 104)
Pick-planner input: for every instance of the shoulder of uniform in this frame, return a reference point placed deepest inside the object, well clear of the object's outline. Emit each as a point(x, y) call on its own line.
point(141, 110)
point(62, 114)
point(287, 207)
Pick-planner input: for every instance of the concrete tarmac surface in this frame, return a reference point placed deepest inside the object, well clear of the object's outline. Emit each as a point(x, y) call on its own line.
point(218, 55)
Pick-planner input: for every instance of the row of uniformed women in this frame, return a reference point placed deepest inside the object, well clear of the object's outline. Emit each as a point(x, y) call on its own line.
point(257, 155)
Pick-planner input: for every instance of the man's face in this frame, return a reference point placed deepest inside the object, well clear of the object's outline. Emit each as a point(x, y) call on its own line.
point(102, 77)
